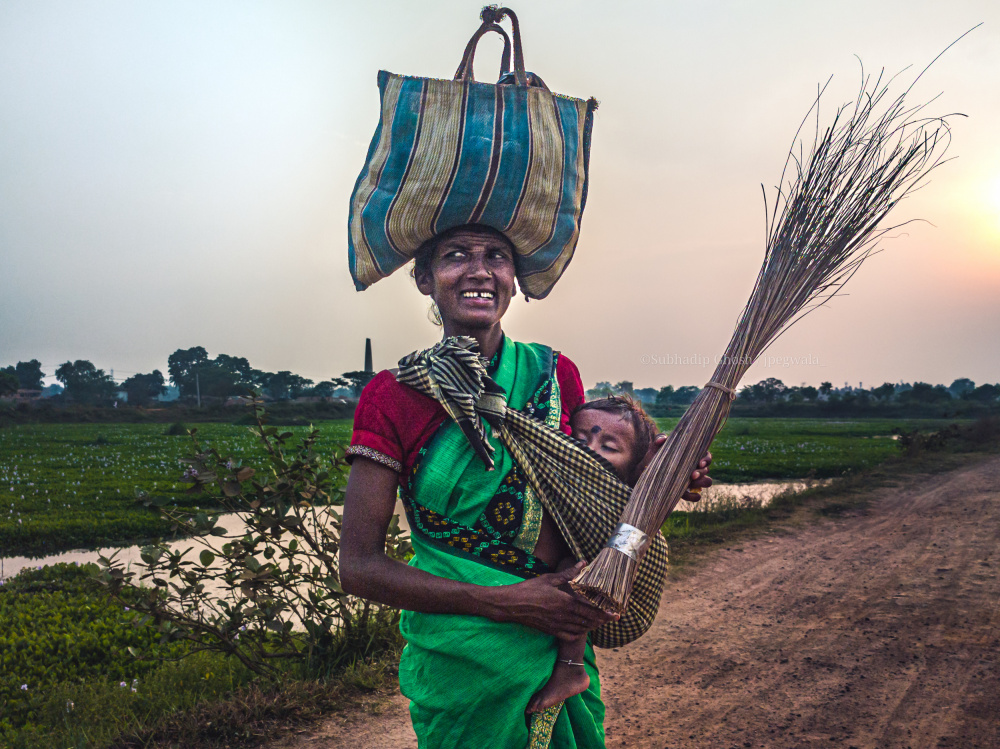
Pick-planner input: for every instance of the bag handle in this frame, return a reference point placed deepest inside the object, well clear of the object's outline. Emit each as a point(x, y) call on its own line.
point(464, 72)
point(491, 16)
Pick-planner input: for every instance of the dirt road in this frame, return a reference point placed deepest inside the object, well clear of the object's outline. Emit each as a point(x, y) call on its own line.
point(876, 630)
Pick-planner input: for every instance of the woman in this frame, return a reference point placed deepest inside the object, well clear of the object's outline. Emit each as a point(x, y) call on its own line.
point(481, 607)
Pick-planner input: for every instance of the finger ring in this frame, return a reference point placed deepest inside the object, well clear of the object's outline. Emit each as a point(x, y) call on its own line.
point(695, 490)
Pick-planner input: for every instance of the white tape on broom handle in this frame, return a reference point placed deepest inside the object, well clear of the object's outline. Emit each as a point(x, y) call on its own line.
point(629, 540)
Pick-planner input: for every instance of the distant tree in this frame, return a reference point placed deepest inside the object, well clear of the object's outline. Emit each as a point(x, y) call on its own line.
point(923, 392)
point(794, 394)
point(28, 373)
point(600, 390)
point(219, 382)
point(765, 391)
point(286, 385)
point(324, 389)
point(961, 387)
point(884, 391)
point(624, 387)
point(182, 366)
point(825, 388)
point(358, 380)
point(684, 396)
point(808, 392)
point(9, 383)
point(666, 395)
point(646, 395)
point(985, 393)
point(245, 375)
point(85, 383)
point(143, 388)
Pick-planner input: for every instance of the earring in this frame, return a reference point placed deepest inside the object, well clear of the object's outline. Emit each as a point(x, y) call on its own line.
point(434, 314)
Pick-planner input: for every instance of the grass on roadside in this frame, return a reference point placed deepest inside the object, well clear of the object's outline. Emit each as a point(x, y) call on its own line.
point(691, 534)
point(68, 678)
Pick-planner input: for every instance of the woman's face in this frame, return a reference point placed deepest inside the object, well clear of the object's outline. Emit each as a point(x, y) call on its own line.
point(471, 281)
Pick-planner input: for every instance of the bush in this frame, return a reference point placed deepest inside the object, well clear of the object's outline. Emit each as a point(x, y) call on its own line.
point(58, 626)
point(271, 593)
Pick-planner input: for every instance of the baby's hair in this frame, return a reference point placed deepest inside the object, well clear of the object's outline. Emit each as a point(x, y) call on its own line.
point(630, 410)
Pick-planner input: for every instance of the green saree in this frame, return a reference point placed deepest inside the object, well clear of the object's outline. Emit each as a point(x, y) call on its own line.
point(469, 679)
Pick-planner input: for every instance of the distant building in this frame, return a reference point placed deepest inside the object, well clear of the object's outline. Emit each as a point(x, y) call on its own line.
point(170, 393)
point(52, 390)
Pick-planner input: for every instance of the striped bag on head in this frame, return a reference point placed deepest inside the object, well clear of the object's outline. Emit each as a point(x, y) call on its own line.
point(512, 156)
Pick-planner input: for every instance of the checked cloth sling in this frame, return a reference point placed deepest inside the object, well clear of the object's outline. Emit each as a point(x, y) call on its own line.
point(575, 485)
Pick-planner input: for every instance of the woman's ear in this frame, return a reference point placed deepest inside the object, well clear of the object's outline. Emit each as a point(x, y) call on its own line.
point(425, 283)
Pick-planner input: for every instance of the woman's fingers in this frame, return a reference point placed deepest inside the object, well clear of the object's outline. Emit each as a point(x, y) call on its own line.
point(561, 578)
point(544, 604)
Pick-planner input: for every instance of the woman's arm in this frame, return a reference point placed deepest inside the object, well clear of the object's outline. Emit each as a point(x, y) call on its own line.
point(366, 571)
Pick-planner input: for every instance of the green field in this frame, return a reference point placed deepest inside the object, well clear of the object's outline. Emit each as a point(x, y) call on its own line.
point(751, 449)
point(73, 486)
point(68, 486)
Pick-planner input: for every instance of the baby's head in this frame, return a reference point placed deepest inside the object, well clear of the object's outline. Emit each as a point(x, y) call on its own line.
point(618, 430)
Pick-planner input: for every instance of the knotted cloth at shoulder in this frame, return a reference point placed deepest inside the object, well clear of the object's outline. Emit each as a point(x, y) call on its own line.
point(454, 374)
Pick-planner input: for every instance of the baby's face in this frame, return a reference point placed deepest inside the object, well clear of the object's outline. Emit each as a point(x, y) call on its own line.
point(608, 435)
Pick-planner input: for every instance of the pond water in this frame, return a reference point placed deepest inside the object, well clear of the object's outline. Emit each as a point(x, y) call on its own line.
point(233, 523)
point(761, 492)
point(758, 493)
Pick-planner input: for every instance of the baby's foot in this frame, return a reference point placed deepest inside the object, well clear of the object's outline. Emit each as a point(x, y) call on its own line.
point(565, 681)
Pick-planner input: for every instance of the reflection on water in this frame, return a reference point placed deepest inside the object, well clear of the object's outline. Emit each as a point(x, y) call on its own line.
point(233, 523)
point(761, 492)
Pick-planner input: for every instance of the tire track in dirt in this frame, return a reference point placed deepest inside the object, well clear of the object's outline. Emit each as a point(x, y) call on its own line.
point(876, 630)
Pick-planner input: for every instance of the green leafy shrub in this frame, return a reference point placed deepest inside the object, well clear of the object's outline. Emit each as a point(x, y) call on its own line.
point(57, 626)
point(271, 592)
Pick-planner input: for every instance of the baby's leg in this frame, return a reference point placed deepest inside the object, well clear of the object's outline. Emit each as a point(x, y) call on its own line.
point(568, 677)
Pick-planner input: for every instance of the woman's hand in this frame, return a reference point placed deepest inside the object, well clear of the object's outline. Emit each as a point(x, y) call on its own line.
point(699, 477)
point(542, 603)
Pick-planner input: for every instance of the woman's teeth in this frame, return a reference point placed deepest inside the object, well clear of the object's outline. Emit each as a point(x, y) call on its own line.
point(477, 294)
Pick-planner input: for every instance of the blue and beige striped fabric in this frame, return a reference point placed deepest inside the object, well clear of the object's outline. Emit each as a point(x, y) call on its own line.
point(449, 153)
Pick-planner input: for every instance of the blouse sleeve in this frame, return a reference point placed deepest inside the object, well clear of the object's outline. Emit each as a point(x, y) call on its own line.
point(570, 389)
point(375, 436)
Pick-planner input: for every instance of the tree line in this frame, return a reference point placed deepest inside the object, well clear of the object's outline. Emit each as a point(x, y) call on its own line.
point(195, 374)
point(773, 390)
point(192, 371)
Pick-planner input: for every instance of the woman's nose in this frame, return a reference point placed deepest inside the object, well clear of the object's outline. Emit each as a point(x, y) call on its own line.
point(477, 267)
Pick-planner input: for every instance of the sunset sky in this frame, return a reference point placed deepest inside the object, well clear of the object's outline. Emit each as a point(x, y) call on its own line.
point(177, 174)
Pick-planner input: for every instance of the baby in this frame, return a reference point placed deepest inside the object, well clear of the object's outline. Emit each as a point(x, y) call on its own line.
point(618, 430)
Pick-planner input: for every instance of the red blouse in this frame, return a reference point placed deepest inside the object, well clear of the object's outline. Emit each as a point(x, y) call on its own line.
point(393, 421)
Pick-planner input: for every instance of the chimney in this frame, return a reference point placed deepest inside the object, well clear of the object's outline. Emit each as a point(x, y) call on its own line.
point(368, 355)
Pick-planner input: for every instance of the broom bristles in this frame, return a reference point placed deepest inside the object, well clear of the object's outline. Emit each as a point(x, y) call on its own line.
point(613, 573)
point(858, 169)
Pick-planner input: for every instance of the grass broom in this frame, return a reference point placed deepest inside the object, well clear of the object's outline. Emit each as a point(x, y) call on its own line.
point(826, 220)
